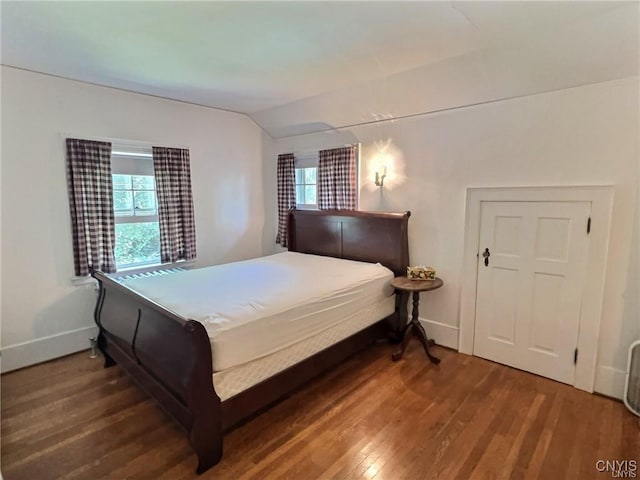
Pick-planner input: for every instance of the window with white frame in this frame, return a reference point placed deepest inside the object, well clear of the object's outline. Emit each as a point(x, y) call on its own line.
point(306, 187)
point(135, 207)
point(306, 165)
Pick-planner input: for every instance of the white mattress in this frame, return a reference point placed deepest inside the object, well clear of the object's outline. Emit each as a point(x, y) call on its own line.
point(234, 380)
point(254, 308)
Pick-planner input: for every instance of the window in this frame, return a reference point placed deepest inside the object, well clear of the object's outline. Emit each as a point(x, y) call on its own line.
point(306, 164)
point(135, 207)
point(306, 182)
point(306, 179)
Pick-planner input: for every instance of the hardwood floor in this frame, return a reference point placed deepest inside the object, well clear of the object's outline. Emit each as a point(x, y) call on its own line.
point(370, 418)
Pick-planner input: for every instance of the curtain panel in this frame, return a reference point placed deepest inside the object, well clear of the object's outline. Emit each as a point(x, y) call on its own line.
point(286, 179)
point(175, 204)
point(90, 190)
point(338, 179)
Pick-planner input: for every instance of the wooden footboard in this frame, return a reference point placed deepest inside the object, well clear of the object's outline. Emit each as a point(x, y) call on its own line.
point(170, 356)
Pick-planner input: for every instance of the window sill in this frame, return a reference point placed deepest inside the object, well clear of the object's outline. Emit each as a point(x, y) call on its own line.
point(88, 280)
point(155, 266)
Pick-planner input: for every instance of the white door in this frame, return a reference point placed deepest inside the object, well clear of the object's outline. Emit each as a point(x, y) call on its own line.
point(529, 290)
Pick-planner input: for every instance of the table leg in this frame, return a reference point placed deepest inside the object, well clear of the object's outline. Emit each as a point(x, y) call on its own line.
point(414, 327)
point(405, 341)
point(426, 342)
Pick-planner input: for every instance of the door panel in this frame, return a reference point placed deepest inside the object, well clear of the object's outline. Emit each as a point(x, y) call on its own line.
point(503, 307)
point(506, 238)
point(545, 317)
point(529, 296)
point(552, 239)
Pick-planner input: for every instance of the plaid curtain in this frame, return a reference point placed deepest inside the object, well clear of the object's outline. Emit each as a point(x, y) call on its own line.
point(286, 194)
point(91, 204)
point(338, 179)
point(175, 204)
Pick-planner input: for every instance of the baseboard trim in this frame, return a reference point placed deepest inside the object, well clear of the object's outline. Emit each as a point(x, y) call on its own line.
point(40, 350)
point(610, 382)
point(443, 334)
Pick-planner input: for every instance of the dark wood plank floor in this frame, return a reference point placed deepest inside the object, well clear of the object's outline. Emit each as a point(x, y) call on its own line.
point(370, 418)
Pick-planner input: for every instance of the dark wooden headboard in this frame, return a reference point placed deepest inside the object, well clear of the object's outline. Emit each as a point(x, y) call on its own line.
point(353, 235)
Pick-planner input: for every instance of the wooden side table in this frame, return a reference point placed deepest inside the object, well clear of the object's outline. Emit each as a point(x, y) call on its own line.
point(413, 327)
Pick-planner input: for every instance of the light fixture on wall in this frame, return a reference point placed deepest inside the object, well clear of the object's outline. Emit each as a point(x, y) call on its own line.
point(380, 177)
point(384, 166)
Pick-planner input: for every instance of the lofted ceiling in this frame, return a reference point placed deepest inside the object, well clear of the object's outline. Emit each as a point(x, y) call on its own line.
point(254, 56)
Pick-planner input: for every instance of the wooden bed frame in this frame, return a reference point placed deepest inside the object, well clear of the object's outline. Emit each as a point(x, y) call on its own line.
point(170, 356)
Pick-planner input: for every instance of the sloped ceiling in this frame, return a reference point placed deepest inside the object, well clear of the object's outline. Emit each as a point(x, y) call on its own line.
point(274, 60)
point(595, 49)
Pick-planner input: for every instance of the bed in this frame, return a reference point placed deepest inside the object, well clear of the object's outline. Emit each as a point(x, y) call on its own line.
point(181, 346)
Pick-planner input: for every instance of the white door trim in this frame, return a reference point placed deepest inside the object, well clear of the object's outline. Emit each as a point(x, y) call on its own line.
point(601, 198)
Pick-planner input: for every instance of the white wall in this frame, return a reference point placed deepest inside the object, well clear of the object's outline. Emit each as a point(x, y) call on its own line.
point(43, 314)
point(579, 136)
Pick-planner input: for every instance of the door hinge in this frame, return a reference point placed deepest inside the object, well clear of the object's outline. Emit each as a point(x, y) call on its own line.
point(575, 356)
point(589, 226)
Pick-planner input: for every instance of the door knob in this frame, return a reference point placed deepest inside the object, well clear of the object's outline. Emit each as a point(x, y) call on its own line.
point(486, 254)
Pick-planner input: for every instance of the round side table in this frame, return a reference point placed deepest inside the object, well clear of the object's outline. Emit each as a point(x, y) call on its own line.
point(404, 284)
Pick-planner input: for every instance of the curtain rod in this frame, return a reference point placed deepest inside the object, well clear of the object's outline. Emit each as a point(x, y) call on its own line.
point(311, 152)
point(119, 141)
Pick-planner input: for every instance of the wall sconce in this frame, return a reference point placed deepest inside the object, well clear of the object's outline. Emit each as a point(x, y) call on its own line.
point(380, 178)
